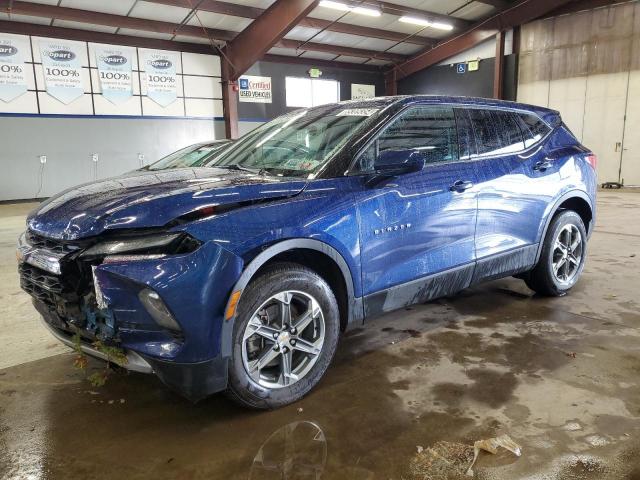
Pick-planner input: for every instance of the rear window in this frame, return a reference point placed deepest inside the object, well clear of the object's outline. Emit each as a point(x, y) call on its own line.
point(496, 132)
point(533, 128)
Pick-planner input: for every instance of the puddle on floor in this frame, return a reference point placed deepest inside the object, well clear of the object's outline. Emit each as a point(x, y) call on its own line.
point(482, 364)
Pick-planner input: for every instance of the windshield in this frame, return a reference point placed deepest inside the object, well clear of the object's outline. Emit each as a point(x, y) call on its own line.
point(191, 156)
point(297, 144)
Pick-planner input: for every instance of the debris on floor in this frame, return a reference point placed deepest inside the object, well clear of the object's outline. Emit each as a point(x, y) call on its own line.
point(491, 445)
point(451, 461)
point(442, 461)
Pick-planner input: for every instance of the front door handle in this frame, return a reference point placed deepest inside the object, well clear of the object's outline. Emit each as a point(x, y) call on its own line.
point(461, 186)
point(542, 165)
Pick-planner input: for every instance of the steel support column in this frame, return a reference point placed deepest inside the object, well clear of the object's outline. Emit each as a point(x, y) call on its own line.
point(229, 101)
point(498, 72)
point(251, 45)
point(391, 83)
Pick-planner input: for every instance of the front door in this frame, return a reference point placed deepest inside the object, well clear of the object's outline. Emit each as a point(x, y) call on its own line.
point(417, 230)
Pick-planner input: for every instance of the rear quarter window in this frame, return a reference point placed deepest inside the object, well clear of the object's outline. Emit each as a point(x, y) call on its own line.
point(533, 128)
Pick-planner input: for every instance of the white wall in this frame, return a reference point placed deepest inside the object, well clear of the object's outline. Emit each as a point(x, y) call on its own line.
point(486, 49)
point(37, 124)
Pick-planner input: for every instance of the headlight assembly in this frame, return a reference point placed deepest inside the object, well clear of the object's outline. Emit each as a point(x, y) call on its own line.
point(155, 244)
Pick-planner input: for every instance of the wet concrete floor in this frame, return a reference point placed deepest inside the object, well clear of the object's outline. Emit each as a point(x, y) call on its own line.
point(559, 376)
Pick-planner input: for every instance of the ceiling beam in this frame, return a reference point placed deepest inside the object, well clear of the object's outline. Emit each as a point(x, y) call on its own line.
point(20, 28)
point(111, 20)
point(338, 50)
point(264, 32)
point(320, 63)
point(521, 12)
point(37, 30)
point(244, 11)
point(155, 26)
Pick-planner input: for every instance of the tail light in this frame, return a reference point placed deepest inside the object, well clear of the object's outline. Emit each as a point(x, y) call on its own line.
point(592, 160)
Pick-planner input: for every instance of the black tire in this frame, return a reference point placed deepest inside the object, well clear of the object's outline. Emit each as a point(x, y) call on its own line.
point(542, 279)
point(275, 279)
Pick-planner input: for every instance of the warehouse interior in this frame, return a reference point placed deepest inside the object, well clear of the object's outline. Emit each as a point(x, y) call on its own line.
point(409, 393)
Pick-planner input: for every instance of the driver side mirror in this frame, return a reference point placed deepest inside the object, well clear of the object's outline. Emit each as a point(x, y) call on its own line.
point(398, 162)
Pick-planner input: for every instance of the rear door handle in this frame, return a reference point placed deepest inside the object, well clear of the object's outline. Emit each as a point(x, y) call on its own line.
point(461, 186)
point(542, 165)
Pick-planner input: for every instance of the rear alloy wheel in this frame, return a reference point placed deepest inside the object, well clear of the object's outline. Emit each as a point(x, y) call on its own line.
point(285, 336)
point(567, 254)
point(562, 257)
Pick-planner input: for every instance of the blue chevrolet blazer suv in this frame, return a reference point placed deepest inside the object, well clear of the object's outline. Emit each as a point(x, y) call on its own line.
point(235, 268)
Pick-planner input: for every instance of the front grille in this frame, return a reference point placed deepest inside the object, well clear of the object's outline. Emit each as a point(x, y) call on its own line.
point(41, 284)
point(67, 301)
point(50, 244)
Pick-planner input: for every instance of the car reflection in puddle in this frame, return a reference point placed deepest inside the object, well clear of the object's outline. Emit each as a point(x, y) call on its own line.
point(297, 450)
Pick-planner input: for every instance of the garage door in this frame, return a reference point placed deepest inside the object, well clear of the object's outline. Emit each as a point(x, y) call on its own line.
point(604, 110)
point(631, 148)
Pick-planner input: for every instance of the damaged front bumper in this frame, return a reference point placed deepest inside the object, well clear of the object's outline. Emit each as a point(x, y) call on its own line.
point(135, 362)
point(108, 304)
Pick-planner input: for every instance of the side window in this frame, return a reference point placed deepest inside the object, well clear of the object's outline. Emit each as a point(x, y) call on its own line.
point(431, 130)
point(366, 161)
point(533, 128)
point(496, 132)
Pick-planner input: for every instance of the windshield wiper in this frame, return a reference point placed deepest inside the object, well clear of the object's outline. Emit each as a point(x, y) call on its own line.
point(235, 166)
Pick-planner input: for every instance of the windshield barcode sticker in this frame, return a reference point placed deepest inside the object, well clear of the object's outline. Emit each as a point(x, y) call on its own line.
point(357, 112)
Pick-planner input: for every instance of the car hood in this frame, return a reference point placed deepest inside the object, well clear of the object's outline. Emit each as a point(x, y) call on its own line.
point(144, 199)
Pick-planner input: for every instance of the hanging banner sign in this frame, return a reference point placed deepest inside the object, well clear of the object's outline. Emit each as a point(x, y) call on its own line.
point(62, 69)
point(115, 72)
point(254, 89)
point(160, 75)
point(13, 73)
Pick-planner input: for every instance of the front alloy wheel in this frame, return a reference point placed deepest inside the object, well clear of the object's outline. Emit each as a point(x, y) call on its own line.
point(283, 339)
point(285, 334)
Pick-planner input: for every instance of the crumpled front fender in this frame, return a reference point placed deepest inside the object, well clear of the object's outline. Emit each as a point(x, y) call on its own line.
point(195, 288)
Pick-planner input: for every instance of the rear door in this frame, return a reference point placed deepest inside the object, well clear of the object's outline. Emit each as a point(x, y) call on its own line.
point(515, 186)
point(417, 230)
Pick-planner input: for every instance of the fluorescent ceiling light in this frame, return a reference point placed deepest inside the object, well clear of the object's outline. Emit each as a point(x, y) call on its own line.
point(372, 12)
point(441, 26)
point(426, 23)
point(335, 5)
